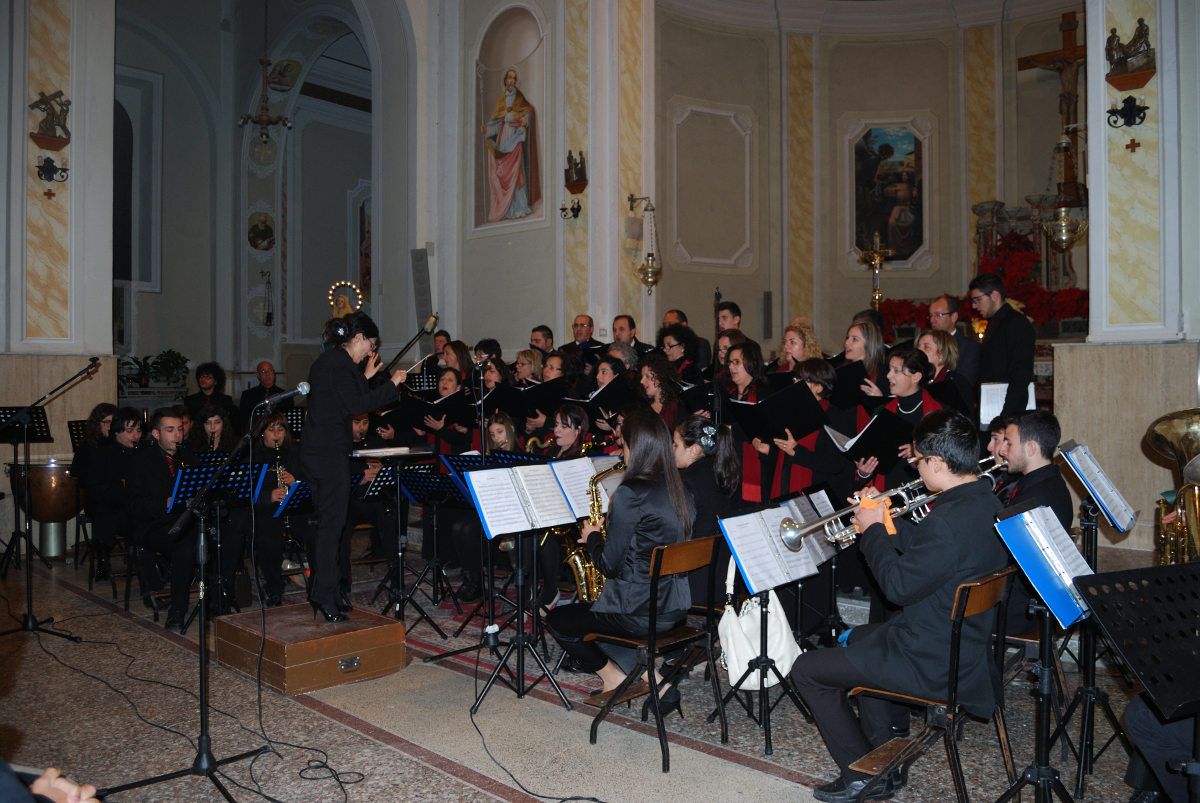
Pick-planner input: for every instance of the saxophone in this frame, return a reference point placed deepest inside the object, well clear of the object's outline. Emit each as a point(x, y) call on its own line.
point(589, 582)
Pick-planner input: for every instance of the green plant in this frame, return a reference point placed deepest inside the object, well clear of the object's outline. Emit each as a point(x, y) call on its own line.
point(170, 367)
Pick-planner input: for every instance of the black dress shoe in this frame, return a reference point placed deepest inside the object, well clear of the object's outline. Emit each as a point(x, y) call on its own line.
point(571, 664)
point(841, 791)
point(174, 621)
point(330, 615)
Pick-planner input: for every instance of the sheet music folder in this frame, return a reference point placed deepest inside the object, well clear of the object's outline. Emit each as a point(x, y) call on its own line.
point(1103, 492)
point(759, 552)
point(1044, 551)
point(517, 499)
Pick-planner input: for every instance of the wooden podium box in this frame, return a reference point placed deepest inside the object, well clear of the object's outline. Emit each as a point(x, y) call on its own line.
point(301, 655)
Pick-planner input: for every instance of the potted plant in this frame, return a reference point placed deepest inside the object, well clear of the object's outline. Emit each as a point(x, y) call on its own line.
point(136, 371)
point(171, 368)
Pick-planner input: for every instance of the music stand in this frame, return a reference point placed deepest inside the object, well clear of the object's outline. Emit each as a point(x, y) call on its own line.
point(204, 763)
point(520, 641)
point(761, 580)
point(431, 491)
point(1100, 496)
point(1049, 559)
point(1145, 615)
point(295, 420)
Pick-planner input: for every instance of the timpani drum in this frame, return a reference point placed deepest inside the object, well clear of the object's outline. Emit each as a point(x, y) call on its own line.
point(53, 497)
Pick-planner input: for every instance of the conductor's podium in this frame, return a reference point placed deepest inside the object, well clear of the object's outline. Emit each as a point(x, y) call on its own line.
point(302, 655)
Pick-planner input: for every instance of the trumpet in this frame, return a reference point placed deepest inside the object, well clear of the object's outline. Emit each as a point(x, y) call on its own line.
point(838, 527)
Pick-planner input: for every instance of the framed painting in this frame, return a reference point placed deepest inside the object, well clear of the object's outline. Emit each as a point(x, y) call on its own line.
point(887, 163)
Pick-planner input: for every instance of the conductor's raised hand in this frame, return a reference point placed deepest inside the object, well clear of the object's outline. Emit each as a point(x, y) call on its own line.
point(399, 376)
point(374, 363)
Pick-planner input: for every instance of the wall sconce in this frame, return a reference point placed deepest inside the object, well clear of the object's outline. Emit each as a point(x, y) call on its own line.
point(1128, 114)
point(47, 170)
point(649, 270)
point(570, 212)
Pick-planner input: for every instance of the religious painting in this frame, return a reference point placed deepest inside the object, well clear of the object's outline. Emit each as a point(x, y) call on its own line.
point(260, 231)
point(510, 92)
point(889, 191)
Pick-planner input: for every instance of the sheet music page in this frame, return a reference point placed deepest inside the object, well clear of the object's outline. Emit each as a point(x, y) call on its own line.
point(822, 503)
point(608, 485)
point(1067, 554)
point(1115, 507)
point(573, 477)
point(801, 509)
point(796, 565)
point(819, 549)
point(991, 401)
point(495, 495)
point(548, 506)
point(753, 552)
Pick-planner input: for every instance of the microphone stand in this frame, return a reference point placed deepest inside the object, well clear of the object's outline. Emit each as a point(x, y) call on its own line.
point(204, 763)
point(424, 330)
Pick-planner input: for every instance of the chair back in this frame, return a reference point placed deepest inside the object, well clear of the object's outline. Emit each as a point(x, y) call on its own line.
point(971, 599)
point(684, 556)
point(673, 559)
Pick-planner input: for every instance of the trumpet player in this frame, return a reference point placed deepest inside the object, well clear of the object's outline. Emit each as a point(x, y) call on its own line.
point(1029, 443)
point(919, 568)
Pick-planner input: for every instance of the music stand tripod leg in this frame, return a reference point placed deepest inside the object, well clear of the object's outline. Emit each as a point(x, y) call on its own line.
point(519, 643)
point(1043, 777)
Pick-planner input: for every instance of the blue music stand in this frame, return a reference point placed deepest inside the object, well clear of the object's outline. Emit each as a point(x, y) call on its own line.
point(298, 500)
point(432, 491)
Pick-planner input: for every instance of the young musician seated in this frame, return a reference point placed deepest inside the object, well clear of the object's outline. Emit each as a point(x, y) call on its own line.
point(275, 448)
point(651, 507)
point(919, 568)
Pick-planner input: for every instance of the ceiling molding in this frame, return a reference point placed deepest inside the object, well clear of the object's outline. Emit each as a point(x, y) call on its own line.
point(860, 16)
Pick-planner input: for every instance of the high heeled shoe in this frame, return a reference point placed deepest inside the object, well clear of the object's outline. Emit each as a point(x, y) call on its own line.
point(668, 701)
point(330, 616)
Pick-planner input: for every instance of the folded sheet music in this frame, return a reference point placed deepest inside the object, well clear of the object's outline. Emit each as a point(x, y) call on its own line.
point(1111, 502)
point(1049, 558)
point(512, 500)
point(761, 557)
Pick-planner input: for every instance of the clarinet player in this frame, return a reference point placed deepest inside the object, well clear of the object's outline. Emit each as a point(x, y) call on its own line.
point(339, 391)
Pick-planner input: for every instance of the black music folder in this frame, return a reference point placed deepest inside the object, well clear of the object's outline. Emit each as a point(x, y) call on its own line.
point(882, 438)
point(846, 392)
point(506, 399)
point(545, 397)
point(793, 408)
point(604, 403)
point(410, 412)
point(949, 396)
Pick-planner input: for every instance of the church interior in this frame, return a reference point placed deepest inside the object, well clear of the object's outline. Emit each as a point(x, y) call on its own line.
point(200, 178)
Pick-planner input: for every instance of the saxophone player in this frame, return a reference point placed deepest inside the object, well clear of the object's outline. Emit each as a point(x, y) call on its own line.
point(651, 507)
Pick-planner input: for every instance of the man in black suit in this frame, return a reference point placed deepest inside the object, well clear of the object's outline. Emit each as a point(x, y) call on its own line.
point(624, 330)
point(943, 317)
point(581, 330)
point(265, 389)
point(151, 482)
point(919, 569)
point(1029, 444)
point(1007, 351)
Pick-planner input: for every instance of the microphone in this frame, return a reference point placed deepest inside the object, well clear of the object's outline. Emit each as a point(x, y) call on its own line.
point(93, 360)
point(431, 323)
point(301, 390)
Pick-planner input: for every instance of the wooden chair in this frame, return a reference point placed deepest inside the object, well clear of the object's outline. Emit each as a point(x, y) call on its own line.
point(664, 562)
point(943, 718)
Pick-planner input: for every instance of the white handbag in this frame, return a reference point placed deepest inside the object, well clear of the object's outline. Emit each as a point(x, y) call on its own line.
point(740, 634)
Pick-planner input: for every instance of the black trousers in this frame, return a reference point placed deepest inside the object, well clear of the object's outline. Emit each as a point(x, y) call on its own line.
point(181, 552)
point(822, 678)
point(570, 623)
point(1157, 742)
point(331, 495)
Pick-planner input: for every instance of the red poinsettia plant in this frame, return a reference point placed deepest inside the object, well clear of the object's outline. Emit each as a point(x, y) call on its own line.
point(1017, 264)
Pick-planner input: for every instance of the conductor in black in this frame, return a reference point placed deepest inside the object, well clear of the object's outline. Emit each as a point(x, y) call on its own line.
point(919, 569)
point(339, 392)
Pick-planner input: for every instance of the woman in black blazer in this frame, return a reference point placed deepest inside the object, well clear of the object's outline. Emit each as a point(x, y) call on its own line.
point(339, 391)
point(650, 508)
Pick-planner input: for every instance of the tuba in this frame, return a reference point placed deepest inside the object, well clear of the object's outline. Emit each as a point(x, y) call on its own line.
point(588, 580)
point(1176, 436)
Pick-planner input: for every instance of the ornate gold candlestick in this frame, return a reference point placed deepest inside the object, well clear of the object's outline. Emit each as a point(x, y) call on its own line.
point(873, 259)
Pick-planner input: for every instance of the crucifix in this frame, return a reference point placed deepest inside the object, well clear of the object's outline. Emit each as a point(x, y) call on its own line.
point(873, 259)
point(1065, 61)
